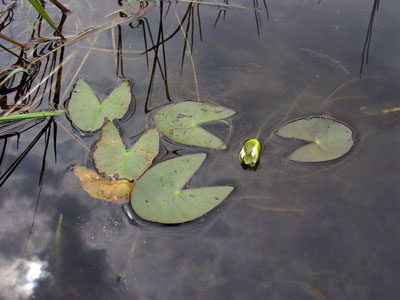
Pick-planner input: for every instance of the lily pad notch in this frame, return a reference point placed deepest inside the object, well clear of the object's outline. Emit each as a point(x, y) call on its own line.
point(329, 139)
point(112, 158)
point(180, 123)
point(86, 111)
point(159, 195)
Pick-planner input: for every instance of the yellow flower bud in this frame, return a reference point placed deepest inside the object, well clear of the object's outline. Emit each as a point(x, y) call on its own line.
point(250, 153)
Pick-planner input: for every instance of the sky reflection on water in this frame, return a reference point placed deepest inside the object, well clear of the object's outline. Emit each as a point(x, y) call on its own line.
point(289, 230)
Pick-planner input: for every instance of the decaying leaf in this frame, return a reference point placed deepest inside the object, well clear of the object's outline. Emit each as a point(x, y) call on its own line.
point(100, 188)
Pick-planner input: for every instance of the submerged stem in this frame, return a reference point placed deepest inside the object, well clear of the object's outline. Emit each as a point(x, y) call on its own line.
point(288, 110)
point(340, 87)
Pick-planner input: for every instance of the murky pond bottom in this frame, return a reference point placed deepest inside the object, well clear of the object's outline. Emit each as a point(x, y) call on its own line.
point(289, 230)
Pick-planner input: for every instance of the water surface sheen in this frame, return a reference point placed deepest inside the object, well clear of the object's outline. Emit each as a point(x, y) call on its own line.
point(289, 230)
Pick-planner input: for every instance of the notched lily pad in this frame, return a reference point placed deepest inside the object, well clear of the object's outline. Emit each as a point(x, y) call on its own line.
point(158, 194)
point(110, 155)
point(86, 111)
point(329, 139)
point(100, 188)
point(179, 122)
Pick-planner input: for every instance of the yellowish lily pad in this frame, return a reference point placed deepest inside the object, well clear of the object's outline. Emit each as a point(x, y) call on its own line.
point(100, 188)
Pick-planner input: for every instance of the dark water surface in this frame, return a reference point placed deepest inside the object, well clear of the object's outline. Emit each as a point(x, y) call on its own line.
point(289, 230)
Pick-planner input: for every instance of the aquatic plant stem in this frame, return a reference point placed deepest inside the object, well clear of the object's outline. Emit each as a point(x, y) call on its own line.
point(190, 53)
point(289, 109)
point(103, 27)
point(90, 29)
point(58, 245)
point(35, 115)
point(217, 4)
point(345, 84)
point(84, 59)
point(340, 87)
point(131, 255)
point(274, 209)
point(8, 39)
point(20, 100)
point(12, 73)
point(42, 12)
point(60, 6)
point(75, 137)
point(350, 97)
point(15, 54)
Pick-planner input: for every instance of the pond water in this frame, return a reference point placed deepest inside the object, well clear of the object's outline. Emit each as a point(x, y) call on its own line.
point(289, 230)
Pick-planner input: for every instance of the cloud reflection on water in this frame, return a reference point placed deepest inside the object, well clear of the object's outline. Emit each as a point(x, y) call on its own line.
point(21, 276)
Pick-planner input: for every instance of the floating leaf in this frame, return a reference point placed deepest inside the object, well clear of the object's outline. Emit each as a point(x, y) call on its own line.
point(100, 188)
point(179, 122)
point(111, 157)
point(158, 195)
point(329, 138)
point(86, 111)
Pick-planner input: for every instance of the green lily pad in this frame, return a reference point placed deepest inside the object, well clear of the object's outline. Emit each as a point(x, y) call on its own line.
point(330, 139)
point(179, 122)
point(86, 111)
point(110, 155)
point(158, 194)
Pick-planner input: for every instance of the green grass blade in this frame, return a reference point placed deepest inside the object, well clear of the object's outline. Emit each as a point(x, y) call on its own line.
point(42, 12)
point(17, 70)
point(35, 115)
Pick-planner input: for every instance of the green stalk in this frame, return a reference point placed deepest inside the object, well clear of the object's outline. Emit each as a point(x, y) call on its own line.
point(17, 70)
point(42, 12)
point(35, 115)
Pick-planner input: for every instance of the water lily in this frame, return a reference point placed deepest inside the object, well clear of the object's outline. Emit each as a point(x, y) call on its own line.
point(250, 153)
